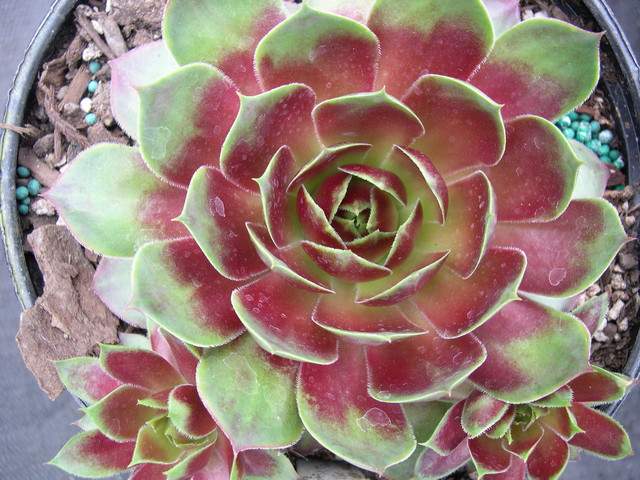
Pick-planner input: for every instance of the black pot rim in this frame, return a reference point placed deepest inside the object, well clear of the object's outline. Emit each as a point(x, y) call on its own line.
point(35, 55)
point(9, 141)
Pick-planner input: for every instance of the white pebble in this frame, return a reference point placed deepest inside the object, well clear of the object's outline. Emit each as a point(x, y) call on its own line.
point(42, 206)
point(623, 325)
point(86, 104)
point(97, 26)
point(91, 53)
point(616, 310)
point(601, 337)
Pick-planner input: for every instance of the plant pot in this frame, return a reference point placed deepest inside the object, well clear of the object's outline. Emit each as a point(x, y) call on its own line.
point(619, 75)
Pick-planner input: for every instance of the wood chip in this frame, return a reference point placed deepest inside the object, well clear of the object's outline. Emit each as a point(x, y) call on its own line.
point(113, 36)
point(87, 27)
point(58, 327)
point(40, 170)
point(77, 87)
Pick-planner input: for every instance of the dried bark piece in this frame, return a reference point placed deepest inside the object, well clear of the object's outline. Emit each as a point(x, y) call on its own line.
point(40, 170)
point(69, 319)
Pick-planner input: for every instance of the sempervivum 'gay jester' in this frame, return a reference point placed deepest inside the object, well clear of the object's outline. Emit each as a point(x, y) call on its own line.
point(146, 414)
point(361, 187)
point(537, 439)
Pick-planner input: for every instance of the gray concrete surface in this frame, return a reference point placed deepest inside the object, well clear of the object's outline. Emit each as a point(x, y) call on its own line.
point(33, 429)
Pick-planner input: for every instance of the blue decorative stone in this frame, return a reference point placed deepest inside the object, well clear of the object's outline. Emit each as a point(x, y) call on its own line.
point(573, 115)
point(575, 124)
point(94, 67)
point(23, 209)
point(90, 118)
point(605, 159)
point(605, 136)
point(22, 192)
point(34, 187)
point(619, 164)
point(26, 201)
point(614, 154)
point(93, 86)
point(583, 135)
point(604, 150)
point(594, 145)
point(565, 122)
point(23, 172)
point(569, 133)
point(595, 126)
point(585, 117)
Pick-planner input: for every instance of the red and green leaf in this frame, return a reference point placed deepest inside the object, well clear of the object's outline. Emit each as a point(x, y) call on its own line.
point(311, 46)
point(153, 446)
point(92, 454)
point(599, 386)
point(449, 433)
point(488, 455)
point(239, 26)
point(433, 466)
point(534, 180)
point(194, 302)
point(481, 412)
point(188, 414)
point(556, 265)
point(113, 203)
point(421, 367)
point(267, 416)
point(141, 66)
point(184, 119)
point(262, 465)
point(429, 37)
point(593, 313)
point(374, 118)
point(532, 350)
point(278, 316)
point(463, 126)
point(337, 410)
point(602, 435)
point(253, 141)
point(504, 268)
point(140, 368)
point(119, 416)
point(341, 315)
point(357, 10)
point(527, 72)
point(112, 283)
point(85, 378)
point(210, 214)
point(469, 226)
point(549, 458)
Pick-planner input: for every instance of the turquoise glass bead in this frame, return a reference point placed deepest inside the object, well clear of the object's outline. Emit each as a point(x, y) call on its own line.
point(565, 122)
point(22, 192)
point(605, 136)
point(23, 172)
point(23, 209)
point(594, 145)
point(614, 154)
point(34, 187)
point(619, 164)
point(583, 135)
point(619, 187)
point(26, 201)
point(90, 118)
point(595, 126)
point(93, 86)
point(585, 117)
point(94, 67)
point(569, 133)
point(604, 149)
point(575, 124)
point(573, 115)
point(605, 159)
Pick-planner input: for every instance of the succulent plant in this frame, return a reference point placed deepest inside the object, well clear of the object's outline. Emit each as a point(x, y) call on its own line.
point(145, 413)
point(350, 206)
point(507, 441)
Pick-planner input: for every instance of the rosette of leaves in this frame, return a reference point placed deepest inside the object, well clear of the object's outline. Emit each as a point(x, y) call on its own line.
point(532, 440)
point(145, 414)
point(343, 202)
